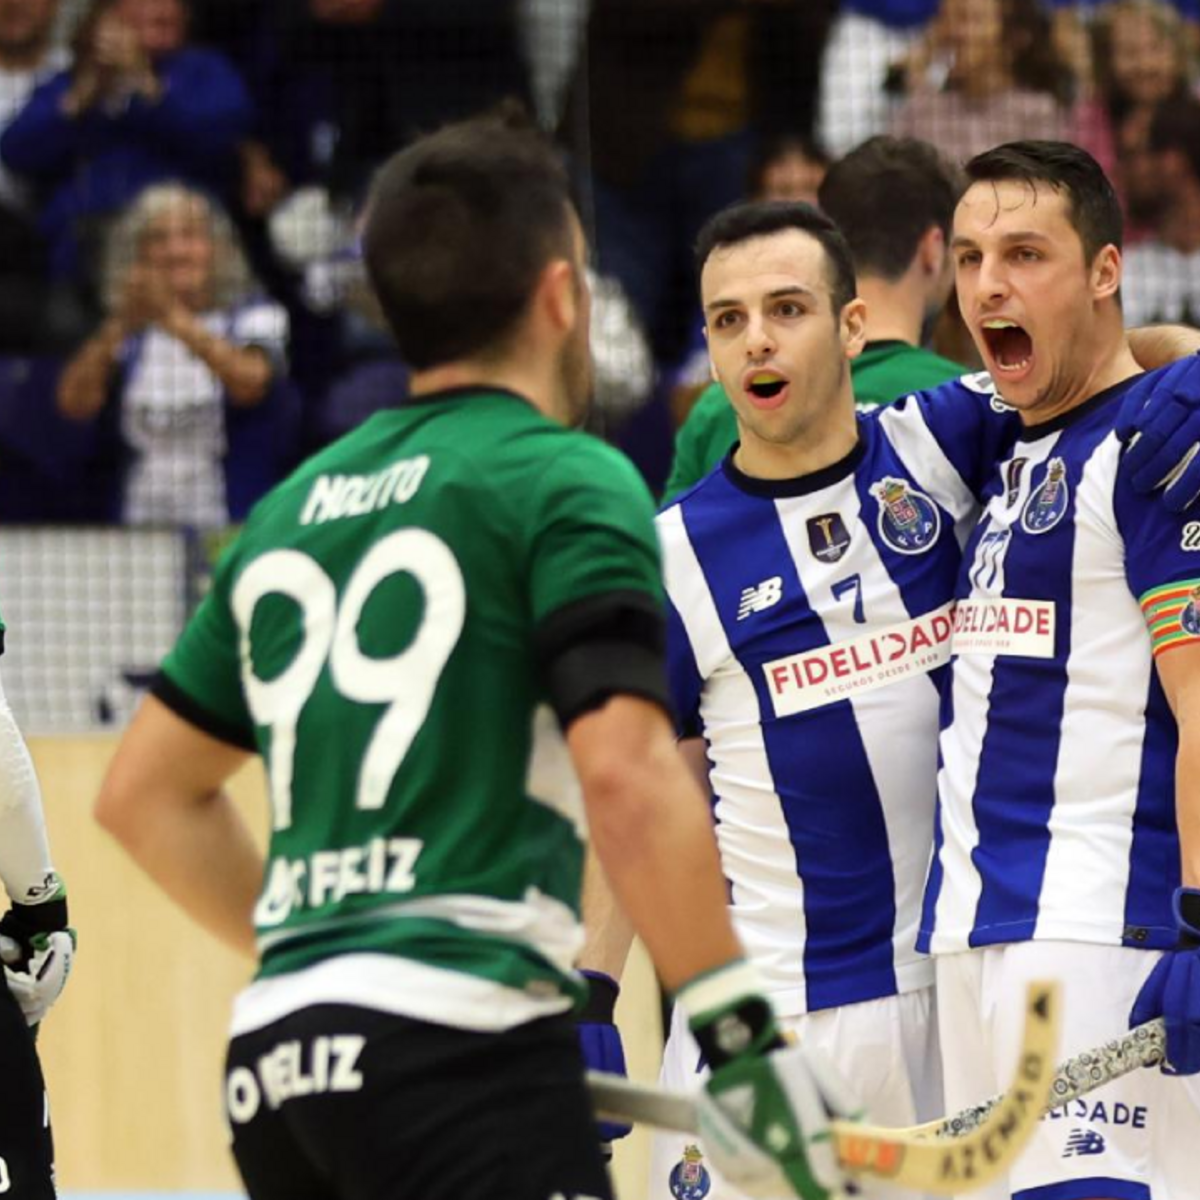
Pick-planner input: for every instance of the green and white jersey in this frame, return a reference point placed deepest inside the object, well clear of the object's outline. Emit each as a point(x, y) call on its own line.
point(372, 634)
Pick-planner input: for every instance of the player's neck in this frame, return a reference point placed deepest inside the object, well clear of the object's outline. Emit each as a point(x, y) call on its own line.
point(485, 375)
point(826, 440)
point(1112, 363)
point(894, 310)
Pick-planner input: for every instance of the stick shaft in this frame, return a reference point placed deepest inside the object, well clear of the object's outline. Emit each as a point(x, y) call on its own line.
point(1143, 1046)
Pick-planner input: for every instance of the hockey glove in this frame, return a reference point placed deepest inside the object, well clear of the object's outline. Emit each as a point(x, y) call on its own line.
point(764, 1113)
point(37, 948)
point(1159, 421)
point(1172, 989)
point(600, 1039)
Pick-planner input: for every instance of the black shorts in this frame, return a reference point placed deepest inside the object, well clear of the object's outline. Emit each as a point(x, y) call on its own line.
point(343, 1103)
point(26, 1145)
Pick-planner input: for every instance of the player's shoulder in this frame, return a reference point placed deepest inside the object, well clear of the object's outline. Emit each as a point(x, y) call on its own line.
point(710, 502)
point(584, 463)
point(969, 392)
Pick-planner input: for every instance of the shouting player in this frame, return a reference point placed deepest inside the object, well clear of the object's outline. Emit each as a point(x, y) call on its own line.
point(434, 632)
point(1069, 789)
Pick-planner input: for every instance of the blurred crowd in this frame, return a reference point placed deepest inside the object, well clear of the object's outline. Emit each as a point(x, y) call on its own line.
point(183, 313)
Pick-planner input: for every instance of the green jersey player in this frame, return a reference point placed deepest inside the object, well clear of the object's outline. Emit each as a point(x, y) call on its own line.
point(444, 637)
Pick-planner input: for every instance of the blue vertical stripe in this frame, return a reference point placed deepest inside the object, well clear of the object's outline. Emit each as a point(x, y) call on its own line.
point(817, 761)
point(1014, 791)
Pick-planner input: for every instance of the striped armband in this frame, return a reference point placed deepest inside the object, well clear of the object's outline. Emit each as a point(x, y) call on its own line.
point(1172, 614)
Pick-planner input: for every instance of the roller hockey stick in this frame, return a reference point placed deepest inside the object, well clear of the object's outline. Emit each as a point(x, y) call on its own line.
point(904, 1157)
point(1143, 1046)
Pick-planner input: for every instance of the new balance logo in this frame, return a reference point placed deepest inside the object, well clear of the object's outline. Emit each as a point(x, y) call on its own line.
point(1083, 1141)
point(760, 597)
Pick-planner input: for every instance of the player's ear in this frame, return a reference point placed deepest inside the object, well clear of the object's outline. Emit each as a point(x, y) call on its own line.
point(558, 293)
point(931, 251)
point(1106, 272)
point(853, 327)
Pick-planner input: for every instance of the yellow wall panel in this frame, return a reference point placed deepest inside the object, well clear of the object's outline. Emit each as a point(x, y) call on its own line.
point(133, 1051)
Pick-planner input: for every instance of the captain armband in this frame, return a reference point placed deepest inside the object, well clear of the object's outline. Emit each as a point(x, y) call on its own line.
point(1172, 615)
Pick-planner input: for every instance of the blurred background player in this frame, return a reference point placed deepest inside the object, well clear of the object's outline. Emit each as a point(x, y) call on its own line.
point(469, 592)
point(36, 947)
point(893, 199)
point(1069, 788)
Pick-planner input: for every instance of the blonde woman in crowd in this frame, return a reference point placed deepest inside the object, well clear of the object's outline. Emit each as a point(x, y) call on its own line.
point(184, 343)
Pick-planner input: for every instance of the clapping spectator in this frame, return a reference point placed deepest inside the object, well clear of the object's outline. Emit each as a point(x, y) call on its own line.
point(138, 106)
point(184, 347)
point(988, 72)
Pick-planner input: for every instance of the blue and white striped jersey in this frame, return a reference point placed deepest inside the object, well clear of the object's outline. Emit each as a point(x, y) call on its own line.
point(809, 623)
point(1057, 754)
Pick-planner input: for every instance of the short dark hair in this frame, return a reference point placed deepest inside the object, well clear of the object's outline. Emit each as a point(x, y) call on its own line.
point(458, 228)
point(1176, 126)
point(885, 195)
point(761, 218)
point(1092, 205)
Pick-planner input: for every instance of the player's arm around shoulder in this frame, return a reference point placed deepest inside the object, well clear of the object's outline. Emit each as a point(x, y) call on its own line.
point(957, 431)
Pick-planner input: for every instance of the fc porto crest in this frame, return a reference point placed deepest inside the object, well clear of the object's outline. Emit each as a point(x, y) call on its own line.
point(1189, 619)
point(690, 1179)
point(908, 520)
point(1047, 503)
point(828, 537)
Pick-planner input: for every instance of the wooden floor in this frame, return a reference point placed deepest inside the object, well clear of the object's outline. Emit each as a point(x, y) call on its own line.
point(133, 1051)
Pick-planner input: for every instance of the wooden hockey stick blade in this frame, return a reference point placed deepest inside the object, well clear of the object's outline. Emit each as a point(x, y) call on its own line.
point(1143, 1046)
point(904, 1157)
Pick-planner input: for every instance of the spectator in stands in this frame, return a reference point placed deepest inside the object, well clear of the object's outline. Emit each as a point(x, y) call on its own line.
point(1075, 23)
point(867, 39)
point(29, 316)
point(790, 167)
point(185, 346)
point(1161, 281)
point(139, 105)
point(1142, 59)
point(987, 73)
point(664, 112)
